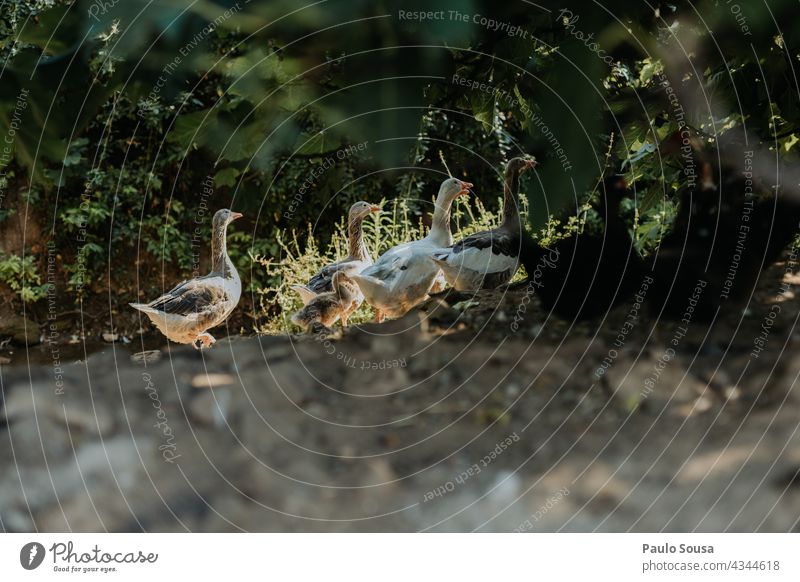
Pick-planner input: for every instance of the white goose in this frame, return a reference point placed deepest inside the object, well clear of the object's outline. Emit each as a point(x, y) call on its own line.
point(194, 306)
point(357, 260)
point(488, 259)
point(404, 275)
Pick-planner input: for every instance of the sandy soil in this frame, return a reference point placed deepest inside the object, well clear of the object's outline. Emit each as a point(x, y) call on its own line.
point(474, 413)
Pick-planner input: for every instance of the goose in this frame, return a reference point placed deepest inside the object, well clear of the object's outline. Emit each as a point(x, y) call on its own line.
point(327, 307)
point(403, 276)
point(184, 313)
point(358, 257)
point(489, 258)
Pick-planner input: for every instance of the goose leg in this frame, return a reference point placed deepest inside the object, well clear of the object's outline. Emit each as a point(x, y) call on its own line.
point(348, 312)
point(207, 339)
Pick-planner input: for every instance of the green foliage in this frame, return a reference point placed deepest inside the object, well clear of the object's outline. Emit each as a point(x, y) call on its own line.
point(22, 276)
point(131, 119)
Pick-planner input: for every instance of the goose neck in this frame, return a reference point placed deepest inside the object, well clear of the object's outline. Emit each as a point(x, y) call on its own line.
point(511, 219)
point(440, 224)
point(220, 262)
point(355, 232)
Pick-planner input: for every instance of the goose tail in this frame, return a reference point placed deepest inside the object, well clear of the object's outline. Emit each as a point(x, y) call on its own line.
point(143, 307)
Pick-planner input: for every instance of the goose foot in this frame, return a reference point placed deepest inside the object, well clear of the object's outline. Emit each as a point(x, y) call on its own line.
point(206, 341)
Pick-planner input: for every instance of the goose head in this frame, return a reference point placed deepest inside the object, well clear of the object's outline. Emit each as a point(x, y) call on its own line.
point(361, 210)
point(451, 189)
point(224, 217)
point(521, 164)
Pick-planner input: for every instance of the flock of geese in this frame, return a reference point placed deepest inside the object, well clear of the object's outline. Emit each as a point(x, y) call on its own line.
point(400, 279)
point(405, 275)
point(577, 277)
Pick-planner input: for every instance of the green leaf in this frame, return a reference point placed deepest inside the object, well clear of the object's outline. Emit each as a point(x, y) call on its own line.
point(482, 105)
point(309, 145)
point(226, 177)
point(192, 129)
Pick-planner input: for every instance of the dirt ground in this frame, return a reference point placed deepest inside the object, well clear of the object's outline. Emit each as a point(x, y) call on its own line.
point(474, 413)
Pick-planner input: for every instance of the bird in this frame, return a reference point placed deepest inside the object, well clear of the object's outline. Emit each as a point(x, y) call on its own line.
point(490, 258)
point(186, 312)
point(329, 306)
point(584, 275)
point(358, 257)
point(403, 276)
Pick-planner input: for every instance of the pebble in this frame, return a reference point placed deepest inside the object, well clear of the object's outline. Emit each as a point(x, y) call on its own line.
point(212, 380)
point(146, 357)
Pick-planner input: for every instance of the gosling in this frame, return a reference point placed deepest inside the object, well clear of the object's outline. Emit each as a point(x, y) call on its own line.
point(327, 308)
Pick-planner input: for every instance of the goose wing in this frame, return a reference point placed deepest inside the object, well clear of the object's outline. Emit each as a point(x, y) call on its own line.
point(192, 296)
point(392, 264)
point(322, 282)
point(406, 269)
point(488, 251)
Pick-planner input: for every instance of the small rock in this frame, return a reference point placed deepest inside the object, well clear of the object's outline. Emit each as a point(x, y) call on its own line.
point(21, 330)
point(212, 380)
point(110, 337)
point(146, 357)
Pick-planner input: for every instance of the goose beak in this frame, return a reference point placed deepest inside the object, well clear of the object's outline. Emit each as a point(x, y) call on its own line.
point(531, 163)
point(236, 215)
point(465, 186)
point(374, 208)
